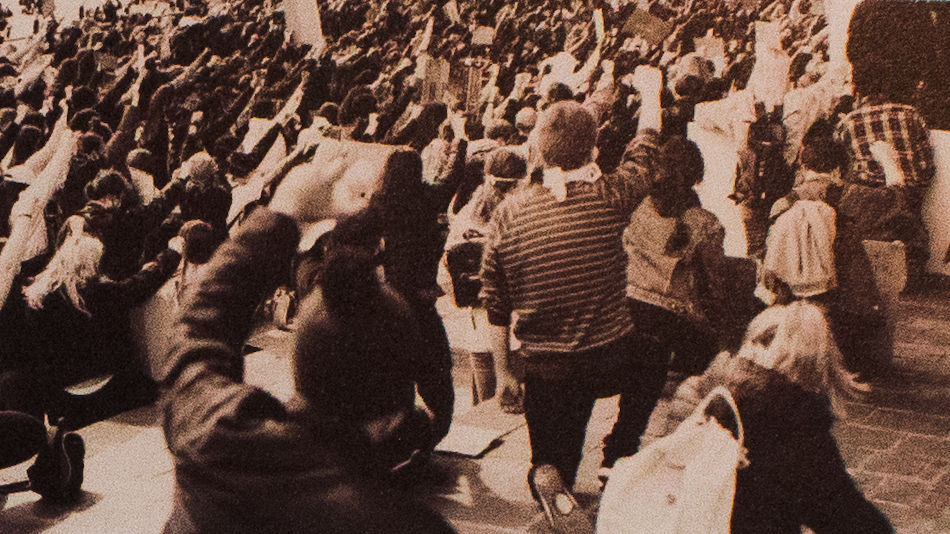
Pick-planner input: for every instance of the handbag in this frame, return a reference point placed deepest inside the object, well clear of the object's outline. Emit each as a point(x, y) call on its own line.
point(683, 483)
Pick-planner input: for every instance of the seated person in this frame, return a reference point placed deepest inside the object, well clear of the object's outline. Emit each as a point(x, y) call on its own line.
point(246, 462)
point(787, 380)
point(79, 321)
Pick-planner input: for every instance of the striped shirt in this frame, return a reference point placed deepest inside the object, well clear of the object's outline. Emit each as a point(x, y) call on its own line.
point(560, 267)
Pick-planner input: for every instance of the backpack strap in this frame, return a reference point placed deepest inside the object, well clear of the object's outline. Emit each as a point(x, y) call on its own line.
point(724, 393)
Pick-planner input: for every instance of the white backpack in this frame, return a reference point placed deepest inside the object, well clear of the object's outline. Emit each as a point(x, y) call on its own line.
point(683, 483)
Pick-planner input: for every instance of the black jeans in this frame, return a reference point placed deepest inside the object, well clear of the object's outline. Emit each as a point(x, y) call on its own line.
point(692, 346)
point(558, 407)
point(434, 379)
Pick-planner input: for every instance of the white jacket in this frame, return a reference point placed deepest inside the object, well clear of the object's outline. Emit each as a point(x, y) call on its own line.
point(800, 248)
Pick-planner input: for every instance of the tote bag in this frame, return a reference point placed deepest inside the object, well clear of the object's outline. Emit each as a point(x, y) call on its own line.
point(683, 483)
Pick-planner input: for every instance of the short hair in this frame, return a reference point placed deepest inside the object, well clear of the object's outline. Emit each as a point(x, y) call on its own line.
point(200, 241)
point(683, 157)
point(819, 150)
point(889, 43)
point(83, 98)
point(505, 163)
point(106, 183)
point(331, 112)
point(500, 130)
point(559, 92)
point(27, 143)
point(567, 134)
point(526, 118)
point(360, 102)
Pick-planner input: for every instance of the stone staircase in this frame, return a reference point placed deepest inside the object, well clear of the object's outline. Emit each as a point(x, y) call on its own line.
point(897, 442)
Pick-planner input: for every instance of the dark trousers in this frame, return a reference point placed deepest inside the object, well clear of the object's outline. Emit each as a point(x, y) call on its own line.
point(434, 381)
point(865, 340)
point(755, 220)
point(692, 346)
point(558, 406)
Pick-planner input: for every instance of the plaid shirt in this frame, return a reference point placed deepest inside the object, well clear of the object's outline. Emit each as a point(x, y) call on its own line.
point(901, 126)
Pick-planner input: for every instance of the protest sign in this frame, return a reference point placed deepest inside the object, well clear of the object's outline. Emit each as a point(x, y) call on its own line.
point(303, 20)
point(483, 36)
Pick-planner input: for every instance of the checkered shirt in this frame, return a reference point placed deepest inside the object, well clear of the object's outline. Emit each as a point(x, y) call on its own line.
point(901, 126)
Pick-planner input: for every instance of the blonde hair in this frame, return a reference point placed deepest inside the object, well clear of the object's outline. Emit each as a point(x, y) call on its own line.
point(795, 341)
point(75, 263)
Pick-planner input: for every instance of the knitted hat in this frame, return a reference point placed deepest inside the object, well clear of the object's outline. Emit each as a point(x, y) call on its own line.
point(567, 133)
point(505, 163)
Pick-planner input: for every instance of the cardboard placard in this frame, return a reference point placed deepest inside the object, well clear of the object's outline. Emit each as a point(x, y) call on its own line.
point(303, 20)
point(483, 36)
point(769, 78)
point(436, 80)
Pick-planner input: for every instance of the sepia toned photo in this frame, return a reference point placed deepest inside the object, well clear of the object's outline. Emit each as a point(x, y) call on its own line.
point(475, 266)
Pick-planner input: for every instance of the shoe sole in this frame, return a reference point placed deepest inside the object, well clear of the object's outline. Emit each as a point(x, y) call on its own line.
point(554, 498)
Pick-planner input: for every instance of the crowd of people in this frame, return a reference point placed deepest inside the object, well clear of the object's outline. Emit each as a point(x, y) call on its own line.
point(547, 167)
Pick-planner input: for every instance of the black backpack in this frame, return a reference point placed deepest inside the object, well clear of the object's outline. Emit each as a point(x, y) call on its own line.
point(762, 175)
point(463, 261)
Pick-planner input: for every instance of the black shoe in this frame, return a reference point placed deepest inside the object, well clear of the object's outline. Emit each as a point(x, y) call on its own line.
point(57, 473)
point(75, 448)
point(560, 507)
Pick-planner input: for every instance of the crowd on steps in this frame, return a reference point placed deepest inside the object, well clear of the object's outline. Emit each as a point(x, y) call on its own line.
point(201, 156)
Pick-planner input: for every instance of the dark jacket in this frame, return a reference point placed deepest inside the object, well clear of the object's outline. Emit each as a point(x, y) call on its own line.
point(244, 461)
point(796, 475)
point(72, 346)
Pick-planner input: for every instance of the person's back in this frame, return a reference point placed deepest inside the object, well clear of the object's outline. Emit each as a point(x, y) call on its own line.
point(554, 258)
point(247, 462)
point(784, 380)
point(566, 260)
point(795, 474)
point(268, 468)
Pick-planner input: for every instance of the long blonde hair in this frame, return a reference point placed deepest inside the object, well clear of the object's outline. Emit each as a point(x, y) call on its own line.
point(795, 341)
point(75, 263)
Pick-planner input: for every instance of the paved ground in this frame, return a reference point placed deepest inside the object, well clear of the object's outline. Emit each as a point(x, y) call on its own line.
point(897, 446)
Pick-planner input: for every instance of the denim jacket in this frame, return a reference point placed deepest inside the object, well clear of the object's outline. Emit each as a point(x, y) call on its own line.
point(673, 277)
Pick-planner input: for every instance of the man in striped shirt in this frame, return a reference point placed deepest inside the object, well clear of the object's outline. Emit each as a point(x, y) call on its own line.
point(554, 259)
